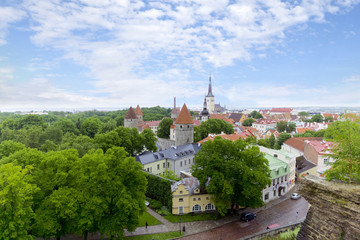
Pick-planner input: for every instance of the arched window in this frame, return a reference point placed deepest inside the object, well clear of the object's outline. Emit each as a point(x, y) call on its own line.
point(196, 208)
point(209, 206)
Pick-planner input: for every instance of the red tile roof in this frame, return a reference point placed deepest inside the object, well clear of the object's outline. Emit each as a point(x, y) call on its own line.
point(138, 110)
point(303, 129)
point(184, 116)
point(146, 126)
point(283, 110)
point(222, 117)
point(299, 142)
point(130, 114)
point(232, 137)
point(153, 123)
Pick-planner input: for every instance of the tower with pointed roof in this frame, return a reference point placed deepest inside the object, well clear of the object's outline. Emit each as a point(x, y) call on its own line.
point(130, 119)
point(139, 113)
point(210, 98)
point(204, 114)
point(184, 127)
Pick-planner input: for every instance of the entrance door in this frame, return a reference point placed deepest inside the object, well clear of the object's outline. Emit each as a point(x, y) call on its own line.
point(181, 210)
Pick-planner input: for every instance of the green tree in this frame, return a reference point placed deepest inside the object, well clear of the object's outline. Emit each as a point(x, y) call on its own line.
point(281, 126)
point(168, 174)
point(329, 119)
point(9, 147)
point(48, 146)
point(108, 126)
point(317, 118)
point(281, 139)
point(90, 126)
point(66, 126)
point(346, 150)
point(238, 173)
point(118, 203)
point(164, 128)
point(215, 126)
point(16, 199)
point(51, 133)
point(81, 143)
point(149, 139)
point(248, 122)
point(303, 114)
point(271, 141)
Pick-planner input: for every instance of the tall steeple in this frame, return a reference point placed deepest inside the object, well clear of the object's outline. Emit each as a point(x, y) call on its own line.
point(210, 94)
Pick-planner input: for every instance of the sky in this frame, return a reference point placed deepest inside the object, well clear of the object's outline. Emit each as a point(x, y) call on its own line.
point(113, 54)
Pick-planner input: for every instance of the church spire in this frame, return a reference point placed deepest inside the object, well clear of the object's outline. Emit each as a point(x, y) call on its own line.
point(210, 94)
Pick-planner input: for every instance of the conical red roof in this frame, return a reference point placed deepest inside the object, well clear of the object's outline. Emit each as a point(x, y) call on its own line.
point(184, 116)
point(130, 114)
point(138, 111)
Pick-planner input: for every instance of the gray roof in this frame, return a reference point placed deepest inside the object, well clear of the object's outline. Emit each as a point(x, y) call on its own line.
point(172, 153)
point(303, 165)
point(190, 184)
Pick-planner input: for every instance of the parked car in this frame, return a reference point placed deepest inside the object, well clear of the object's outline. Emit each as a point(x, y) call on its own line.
point(295, 196)
point(247, 216)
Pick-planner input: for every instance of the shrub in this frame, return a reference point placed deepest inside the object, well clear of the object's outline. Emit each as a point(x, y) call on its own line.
point(155, 204)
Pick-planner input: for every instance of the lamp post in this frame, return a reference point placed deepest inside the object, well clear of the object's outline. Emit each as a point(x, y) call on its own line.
point(180, 225)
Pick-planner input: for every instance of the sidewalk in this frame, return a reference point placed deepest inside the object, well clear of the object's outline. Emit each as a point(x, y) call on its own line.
point(200, 226)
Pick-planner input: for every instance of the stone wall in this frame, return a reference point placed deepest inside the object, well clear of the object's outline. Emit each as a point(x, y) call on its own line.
point(334, 212)
point(163, 143)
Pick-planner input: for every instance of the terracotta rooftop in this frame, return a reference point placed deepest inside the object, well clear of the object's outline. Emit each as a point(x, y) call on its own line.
point(138, 110)
point(153, 123)
point(146, 126)
point(130, 114)
point(222, 117)
point(281, 110)
point(184, 116)
point(299, 142)
point(175, 110)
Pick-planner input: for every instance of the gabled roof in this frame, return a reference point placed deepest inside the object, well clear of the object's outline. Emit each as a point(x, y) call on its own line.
point(236, 116)
point(130, 114)
point(190, 184)
point(184, 116)
point(138, 111)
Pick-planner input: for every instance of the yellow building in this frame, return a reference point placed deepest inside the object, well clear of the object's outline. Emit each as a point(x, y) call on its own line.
point(189, 197)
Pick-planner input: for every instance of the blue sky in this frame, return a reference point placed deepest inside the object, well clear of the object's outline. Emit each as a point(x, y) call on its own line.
point(113, 54)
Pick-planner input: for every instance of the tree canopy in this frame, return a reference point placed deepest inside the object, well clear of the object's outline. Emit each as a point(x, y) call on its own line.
point(248, 122)
point(234, 172)
point(283, 126)
point(164, 128)
point(346, 150)
point(215, 126)
point(255, 114)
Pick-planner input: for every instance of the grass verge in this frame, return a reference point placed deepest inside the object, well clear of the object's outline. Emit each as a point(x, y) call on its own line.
point(146, 217)
point(157, 236)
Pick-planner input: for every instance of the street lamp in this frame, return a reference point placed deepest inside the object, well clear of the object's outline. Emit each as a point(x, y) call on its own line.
point(180, 225)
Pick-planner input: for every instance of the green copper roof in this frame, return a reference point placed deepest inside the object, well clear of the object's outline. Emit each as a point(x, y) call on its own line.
point(276, 164)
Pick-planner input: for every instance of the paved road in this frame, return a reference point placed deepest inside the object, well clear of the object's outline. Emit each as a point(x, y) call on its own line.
point(283, 213)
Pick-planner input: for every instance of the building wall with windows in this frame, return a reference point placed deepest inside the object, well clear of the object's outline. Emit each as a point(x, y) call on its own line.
point(280, 182)
point(187, 197)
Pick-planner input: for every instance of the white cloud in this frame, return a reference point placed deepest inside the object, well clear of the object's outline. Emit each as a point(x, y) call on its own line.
point(119, 41)
point(8, 15)
point(354, 78)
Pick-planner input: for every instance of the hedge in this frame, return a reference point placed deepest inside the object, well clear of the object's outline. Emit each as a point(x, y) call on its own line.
point(160, 189)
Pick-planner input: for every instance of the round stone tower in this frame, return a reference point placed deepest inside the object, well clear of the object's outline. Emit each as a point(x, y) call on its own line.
point(184, 127)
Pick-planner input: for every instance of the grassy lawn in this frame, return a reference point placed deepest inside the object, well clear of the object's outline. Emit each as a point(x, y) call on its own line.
point(288, 235)
point(157, 236)
point(190, 217)
point(146, 217)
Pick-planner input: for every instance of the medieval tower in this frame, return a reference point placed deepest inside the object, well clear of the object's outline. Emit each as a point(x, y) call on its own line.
point(175, 112)
point(210, 99)
point(130, 119)
point(139, 113)
point(184, 128)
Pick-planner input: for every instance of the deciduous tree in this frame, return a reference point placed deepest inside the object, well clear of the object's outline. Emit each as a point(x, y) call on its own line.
point(233, 172)
point(164, 128)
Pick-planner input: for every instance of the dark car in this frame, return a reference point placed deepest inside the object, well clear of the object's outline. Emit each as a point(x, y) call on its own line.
point(247, 216)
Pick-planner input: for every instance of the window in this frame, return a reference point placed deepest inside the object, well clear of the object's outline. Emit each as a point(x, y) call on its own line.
point(278, 180)
point(194, 199)
point(189, 161)
point(168, 165)
point(181, 210)
point(185, 162)
point(150, 169)
point(193, 160)
point(282, 179)
point(277, 172)
point(275, 155)
point(274, 182)
point(181, 199)
point(158, 166)
point(181, 192)
point(266, 197)
point(180, 163)
point(209, 206)
point(147, 169)
point(285, 169)
point(180, 126)
point(285, 177)
point(163, 165)
point(199, 199)
point(326, 161)
point(196, 208)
